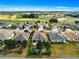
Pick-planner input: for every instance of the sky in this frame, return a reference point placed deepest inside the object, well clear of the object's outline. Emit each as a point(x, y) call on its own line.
point(39, 5)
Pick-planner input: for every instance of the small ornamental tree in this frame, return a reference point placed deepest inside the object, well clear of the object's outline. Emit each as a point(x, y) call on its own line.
point(24, 43)
point(10, 43)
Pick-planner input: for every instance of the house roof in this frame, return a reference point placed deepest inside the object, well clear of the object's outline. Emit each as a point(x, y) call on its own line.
point(42, 24)
point(43, 34)
point(56, 37)
point(2, 37)
point(22, 36)
point(71, 35)
point(7, 33)
point(39, 36)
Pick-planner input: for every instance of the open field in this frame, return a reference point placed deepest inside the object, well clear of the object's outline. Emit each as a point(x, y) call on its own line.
point(69, 20)
point(65, 50)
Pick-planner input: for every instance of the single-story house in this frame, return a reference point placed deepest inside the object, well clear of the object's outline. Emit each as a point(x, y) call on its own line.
point(55, 37)
point(39, 36)
point(29, 25)
point(16, 25)
point(55, 30)
point(7, 33)
point(62, 19)
point(21, 36)
point(71, 36)
point(43, 25)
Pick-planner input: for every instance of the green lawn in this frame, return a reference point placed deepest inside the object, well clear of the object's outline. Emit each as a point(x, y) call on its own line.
point(11, 21)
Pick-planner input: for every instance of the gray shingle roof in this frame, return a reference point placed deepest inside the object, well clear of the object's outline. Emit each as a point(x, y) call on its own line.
point(22, 36)
point(7, 33)
point(39, 36)
point(54, 37)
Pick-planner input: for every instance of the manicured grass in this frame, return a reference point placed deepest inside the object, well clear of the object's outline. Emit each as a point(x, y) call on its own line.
point(17, 21)
point(12, 21)
point(42, 20)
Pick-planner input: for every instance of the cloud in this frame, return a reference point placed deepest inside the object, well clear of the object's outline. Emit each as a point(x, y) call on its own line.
point(27, 8)
point(61, 7)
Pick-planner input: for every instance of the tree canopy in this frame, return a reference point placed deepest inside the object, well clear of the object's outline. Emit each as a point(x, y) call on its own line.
point(30, 16)
point(53, 20)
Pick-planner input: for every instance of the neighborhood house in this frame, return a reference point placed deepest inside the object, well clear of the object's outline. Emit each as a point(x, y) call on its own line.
point(55, 37)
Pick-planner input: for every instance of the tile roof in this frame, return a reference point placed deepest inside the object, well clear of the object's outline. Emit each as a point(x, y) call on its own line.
point(71, 36)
